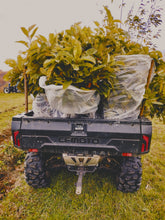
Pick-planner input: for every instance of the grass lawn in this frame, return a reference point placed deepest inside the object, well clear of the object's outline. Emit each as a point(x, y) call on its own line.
point(9, 101)
point(10, 105)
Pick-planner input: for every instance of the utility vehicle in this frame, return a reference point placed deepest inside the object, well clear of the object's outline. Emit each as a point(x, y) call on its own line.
point(82, 144)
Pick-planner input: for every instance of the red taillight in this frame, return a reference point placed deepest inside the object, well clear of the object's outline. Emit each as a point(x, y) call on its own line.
point(127, 154)
point(33, 150)
point(16, 139)
point(145, 143)
point(143, 147)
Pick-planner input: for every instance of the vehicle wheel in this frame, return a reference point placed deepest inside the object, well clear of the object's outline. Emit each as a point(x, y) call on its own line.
point(130, 175)
point(35, 172)
point(6, 90)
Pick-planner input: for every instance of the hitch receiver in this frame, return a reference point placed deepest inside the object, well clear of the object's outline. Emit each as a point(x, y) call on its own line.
point(80, 174)
point(81, 165)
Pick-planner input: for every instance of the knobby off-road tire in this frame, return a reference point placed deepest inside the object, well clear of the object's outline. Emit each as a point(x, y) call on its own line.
point(130, 175)
point(35, 172)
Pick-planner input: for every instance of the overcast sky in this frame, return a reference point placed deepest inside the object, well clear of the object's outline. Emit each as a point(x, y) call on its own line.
point(50, 16)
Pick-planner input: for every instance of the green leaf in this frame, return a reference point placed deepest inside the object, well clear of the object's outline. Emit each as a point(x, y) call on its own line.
point(79, 80)
point(51, 38)
point(11, 62)
point(97, 23)
point(49, 62)
point(157, 103)
point(98, 68)
point(8, 75)
point(33, 33)
point(20, 62)
point(49, 71)
point(43, 71)
point(42, 38)
point(25, 31)
point(75, 67)
point(110, 18)
point(31, 27)
point(91, 51)
point(117, 20)
point(85, 64)
point(64, 55)
point(66, 84)
point(23, 42)
point(88, 58)
point(33, 46)
point(77, 50)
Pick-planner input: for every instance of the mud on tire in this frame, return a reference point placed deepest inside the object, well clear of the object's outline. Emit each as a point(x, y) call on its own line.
point(35, 172)
point(130, 175)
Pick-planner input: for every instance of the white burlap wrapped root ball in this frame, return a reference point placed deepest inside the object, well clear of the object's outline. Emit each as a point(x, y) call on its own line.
point(71, 100)
point(127, 97)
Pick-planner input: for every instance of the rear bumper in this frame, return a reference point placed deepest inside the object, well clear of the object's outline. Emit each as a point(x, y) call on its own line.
point(114, 146)
point(94, 136)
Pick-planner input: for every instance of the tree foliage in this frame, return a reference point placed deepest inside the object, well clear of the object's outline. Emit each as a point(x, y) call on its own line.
point(144, 22)
point(84, 58)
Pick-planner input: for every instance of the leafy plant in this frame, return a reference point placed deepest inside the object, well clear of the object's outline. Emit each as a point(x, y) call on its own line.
point(84, 58)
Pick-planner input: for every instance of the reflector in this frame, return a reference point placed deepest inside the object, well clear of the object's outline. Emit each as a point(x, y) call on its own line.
point(33, 150)
point(127, 154)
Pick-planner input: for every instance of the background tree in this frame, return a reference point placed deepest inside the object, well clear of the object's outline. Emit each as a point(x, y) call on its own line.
point(145, 21)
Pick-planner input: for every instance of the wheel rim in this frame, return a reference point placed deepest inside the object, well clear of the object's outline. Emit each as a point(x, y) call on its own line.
point(6, 90)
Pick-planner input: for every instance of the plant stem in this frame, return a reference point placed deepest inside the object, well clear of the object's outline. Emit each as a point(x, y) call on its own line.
point(26, 92)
